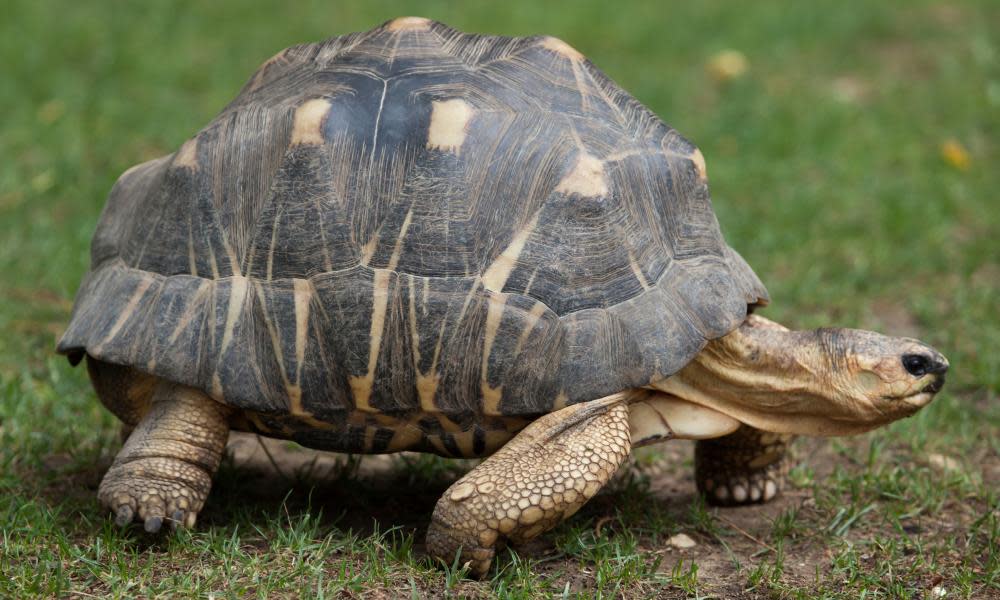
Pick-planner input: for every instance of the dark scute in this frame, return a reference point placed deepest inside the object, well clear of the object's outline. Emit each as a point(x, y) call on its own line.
point(303, 229)
point(353, 114)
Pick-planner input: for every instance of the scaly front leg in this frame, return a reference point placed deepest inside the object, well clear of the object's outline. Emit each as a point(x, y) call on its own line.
point(543, 475)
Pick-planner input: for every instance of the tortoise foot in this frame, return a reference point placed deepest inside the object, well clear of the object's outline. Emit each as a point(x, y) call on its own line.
point(752, 487)
point(154, 491)
point(748, 466)
point(543, 475)
point(446, 539)
point(164, 471)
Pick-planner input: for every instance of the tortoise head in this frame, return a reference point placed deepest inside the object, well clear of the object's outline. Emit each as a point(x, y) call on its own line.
point(818, 382)
point(892, 375)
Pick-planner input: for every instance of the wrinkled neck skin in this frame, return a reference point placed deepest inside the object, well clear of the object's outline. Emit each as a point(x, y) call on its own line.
point(823, 382)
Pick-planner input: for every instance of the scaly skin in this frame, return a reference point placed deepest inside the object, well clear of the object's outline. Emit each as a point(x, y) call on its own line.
point(164, 471)
point(748, 466)
point(542, 476)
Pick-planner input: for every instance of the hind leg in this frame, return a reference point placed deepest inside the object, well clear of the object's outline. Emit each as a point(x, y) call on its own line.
point(748, 466)
point(164, 471)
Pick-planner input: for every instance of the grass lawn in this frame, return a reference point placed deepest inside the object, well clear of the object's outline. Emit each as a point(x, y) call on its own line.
point(854, 163)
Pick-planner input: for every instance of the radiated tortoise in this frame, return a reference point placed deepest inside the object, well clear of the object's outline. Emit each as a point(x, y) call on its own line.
point(415, 238)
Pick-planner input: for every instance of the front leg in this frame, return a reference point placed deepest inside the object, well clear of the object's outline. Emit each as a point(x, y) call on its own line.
point(543, 475)
point(164, 471)
point(748, 466)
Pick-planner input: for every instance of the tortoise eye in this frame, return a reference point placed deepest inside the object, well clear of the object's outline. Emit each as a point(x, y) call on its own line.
point(919, 365)
point(916, 364)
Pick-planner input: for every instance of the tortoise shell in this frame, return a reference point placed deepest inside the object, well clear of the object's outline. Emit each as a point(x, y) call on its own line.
point(413, 227)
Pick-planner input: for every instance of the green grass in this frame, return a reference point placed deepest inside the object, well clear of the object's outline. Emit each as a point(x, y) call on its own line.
point(825, 160)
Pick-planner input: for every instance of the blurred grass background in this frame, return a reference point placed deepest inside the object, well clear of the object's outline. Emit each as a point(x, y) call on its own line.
point(852, 150)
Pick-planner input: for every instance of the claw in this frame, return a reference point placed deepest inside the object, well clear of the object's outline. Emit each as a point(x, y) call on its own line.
point(177, 520)
point(124, 515)
point(153, 524)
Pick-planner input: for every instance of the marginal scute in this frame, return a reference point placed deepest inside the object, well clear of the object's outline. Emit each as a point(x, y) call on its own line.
point(238, 291)
point(427, 385)
point(491, 399)
point(491, 394)
point(361, 385)
point(127, 313)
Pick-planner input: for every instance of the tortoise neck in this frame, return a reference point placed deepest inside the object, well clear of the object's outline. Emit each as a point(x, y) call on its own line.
point(760, 357)
point(769, 377)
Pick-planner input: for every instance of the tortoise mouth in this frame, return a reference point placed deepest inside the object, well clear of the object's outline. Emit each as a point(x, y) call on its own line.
point(918, 400)
point(934, 386)
point(921, 397)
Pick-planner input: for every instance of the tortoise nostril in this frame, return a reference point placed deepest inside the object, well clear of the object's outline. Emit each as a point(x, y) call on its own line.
point(919, 365)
